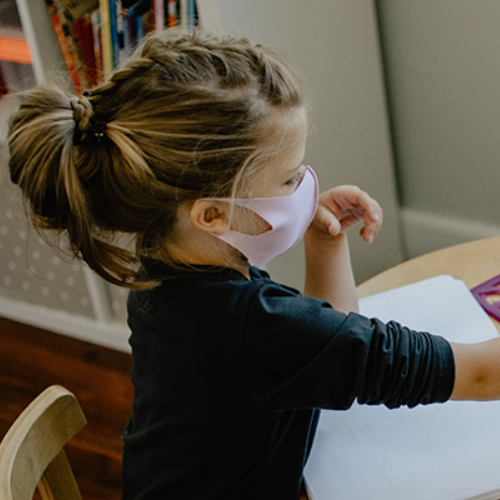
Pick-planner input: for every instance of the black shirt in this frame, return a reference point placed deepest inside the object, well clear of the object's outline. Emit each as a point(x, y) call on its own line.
point(229, 375)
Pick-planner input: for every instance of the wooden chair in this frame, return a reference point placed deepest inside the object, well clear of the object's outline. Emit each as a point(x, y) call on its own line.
point(31, 453)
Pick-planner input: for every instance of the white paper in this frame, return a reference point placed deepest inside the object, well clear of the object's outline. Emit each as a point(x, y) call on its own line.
point(445, 451)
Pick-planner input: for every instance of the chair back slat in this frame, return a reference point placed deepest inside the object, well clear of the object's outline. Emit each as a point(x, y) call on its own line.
point(58, 481)
point(35, 439)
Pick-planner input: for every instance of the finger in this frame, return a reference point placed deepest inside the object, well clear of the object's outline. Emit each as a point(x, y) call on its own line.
point(366, 209)
point(352, 199)
point(350, 205)
point(359, 205)
point(326, 221)
point(372, 223)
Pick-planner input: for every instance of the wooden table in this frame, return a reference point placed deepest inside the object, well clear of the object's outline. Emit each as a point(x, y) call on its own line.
point(472, 262)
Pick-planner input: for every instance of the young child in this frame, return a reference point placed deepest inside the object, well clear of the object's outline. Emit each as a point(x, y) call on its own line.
point(195, 147)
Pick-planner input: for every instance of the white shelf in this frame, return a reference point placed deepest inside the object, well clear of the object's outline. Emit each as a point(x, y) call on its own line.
point(38, 30)
point(8, 104)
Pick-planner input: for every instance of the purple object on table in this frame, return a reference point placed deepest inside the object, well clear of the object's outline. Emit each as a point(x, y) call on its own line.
point(481, 292)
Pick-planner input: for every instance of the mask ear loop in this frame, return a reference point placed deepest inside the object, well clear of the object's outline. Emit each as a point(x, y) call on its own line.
point(232, 209)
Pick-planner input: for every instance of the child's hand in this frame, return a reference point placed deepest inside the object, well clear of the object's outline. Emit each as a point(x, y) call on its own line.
point(343, 207)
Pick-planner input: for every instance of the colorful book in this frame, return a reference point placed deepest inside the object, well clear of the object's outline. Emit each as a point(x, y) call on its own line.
point(192, 15)
point(172, 7)
point(136, 21)
point(85, 34)
point(131, 35)
point(63, 43)
point(158, 15)
point(183, 11)
point(148, 23)
point(106, 43)
point(127, 29)
point(122, 28)
point(95, 17)
point(117, 31)
point(113, 22)
point(69, 11)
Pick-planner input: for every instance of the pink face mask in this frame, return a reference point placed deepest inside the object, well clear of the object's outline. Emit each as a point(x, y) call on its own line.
point(289, 217)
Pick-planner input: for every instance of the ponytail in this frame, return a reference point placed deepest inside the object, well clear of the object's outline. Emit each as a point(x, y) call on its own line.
point(51, 168)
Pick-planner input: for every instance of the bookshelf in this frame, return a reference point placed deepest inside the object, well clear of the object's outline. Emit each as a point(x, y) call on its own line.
point(36, 286)
point(116, 34)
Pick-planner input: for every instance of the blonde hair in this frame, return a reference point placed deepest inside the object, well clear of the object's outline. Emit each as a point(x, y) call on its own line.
point(180, 120)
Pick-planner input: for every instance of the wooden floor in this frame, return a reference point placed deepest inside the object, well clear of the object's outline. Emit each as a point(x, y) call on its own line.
point(32, 359)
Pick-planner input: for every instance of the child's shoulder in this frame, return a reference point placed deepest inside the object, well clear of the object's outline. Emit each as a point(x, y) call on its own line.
point(221, 286)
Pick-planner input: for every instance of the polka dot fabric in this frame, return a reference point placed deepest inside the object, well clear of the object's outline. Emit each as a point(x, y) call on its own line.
point(31, 271)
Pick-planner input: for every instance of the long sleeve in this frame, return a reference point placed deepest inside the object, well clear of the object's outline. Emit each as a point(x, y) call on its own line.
point(303, 353)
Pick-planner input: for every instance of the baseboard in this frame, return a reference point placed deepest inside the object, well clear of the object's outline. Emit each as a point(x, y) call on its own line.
point(425, 232)
point(108, 334)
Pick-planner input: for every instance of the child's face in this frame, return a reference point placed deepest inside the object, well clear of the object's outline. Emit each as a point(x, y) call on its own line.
point(281, 173)
point(278, 176)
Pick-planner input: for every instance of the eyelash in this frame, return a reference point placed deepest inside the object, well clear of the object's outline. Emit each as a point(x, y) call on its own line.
point(295, 179)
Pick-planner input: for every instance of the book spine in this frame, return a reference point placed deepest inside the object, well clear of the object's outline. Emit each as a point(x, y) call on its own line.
point(148, 22)
point(121, 28)
point(56, 23)
point(85, 34)
point(183, 12)
point(132, 35)
point(140, 16)
point(126, 35)
point(191, 13)
point(159, 15)
point(113, 21)
point(69, 32)
point(96, 37)
point(106, 44)
point(172, 13)
point(138, 28)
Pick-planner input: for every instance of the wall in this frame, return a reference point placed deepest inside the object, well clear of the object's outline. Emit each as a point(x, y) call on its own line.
point(334, 46)
point(443, 70)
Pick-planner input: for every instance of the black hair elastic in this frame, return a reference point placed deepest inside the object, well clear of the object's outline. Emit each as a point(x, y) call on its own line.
point(99, 130)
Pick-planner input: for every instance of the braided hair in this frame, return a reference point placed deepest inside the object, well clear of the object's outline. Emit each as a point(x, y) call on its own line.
point(182, 119)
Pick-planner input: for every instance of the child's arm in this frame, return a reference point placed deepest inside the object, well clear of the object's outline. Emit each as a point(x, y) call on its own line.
point(477, 370)
point(328, 263)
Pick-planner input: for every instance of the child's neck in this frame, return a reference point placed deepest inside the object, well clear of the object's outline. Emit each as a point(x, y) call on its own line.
point(196, 247)
point(203, 256)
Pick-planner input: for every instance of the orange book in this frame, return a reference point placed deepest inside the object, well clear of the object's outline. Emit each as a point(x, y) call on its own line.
point(69, 11)
point(172, 13)
point(56, 22)
point(14, 49)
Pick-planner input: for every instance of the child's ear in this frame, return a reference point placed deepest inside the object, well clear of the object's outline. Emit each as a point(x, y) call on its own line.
point(210, 216)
